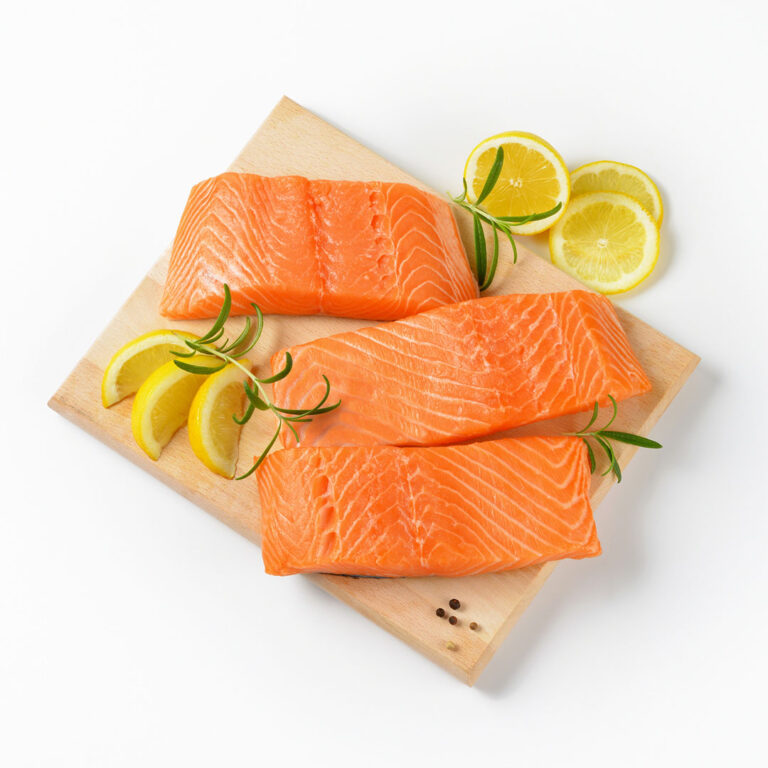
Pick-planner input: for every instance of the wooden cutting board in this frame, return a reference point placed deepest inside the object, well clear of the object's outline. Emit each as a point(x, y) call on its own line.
point(294, 141)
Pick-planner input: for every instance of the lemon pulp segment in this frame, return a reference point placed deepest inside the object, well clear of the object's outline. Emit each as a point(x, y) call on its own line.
point(533, 178)
point(136, 360)
point(213, 433)
point(162, 404)
point(610, 176)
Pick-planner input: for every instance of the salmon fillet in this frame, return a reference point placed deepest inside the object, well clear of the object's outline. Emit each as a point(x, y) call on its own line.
point(446, 511)
point(462, 371)
point(372, 250)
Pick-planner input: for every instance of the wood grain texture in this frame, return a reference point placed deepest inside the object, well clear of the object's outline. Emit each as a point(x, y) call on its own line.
point(294, 141)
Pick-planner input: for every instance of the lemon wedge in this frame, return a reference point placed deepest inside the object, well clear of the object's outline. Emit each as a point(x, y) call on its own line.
point(213, 432)
point(609, 176)
point(533, 178)
point(162, 404)
point(134, 361)
point(606, 240)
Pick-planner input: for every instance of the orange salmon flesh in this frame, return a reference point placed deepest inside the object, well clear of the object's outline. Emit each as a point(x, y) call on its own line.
point(371, 250)
point(445, 511)
point(462, 371)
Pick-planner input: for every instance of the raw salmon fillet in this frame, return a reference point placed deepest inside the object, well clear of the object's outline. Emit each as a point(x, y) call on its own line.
point(446, 511)
point(463, 371)
point(372, 250)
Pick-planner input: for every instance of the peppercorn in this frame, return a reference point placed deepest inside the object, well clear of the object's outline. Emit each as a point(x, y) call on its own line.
point(455, 604)
point(451, 646)
point(440, 612)
point(453, 620)
point(473, 625)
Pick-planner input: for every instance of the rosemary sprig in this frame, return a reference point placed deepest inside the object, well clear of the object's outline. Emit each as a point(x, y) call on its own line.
point(603, 438)
point(503, 224)
point(258, 400)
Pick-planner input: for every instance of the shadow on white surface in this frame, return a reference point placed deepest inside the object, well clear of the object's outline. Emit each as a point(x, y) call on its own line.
point(625, 521)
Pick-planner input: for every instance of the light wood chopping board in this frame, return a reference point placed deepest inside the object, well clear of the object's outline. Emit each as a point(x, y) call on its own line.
point(294, 141)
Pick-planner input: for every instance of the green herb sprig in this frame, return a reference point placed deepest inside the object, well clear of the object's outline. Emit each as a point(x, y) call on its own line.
point(604, 436)
point(503, 224)
point(258, 400)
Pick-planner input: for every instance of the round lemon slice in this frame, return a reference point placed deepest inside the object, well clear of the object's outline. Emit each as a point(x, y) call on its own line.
point(162, 403)
point(609, 176)
point(606, 240)
point(213, 433)
point(134, 361)
point(533, 179)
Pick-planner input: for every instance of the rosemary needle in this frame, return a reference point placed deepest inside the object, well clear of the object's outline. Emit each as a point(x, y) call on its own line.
point(258, 400)
point(485, 271)
point(604, 437)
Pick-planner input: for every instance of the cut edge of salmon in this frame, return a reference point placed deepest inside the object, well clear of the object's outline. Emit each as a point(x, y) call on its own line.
point(439, 511)
point(397, 253)
point(613, 369)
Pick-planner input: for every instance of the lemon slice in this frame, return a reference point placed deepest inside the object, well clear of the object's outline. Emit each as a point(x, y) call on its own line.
point(606, 240)
point(608, 176)
point(533, 178)
point(213, 432)
point(162, 404)
point(134, 361)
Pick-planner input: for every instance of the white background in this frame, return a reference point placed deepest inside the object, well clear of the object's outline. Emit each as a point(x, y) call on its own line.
point(136, 630)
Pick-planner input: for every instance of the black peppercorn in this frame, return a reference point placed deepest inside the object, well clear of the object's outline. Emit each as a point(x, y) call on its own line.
point(453, 620)
point(440, 612)
point(455, 604)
